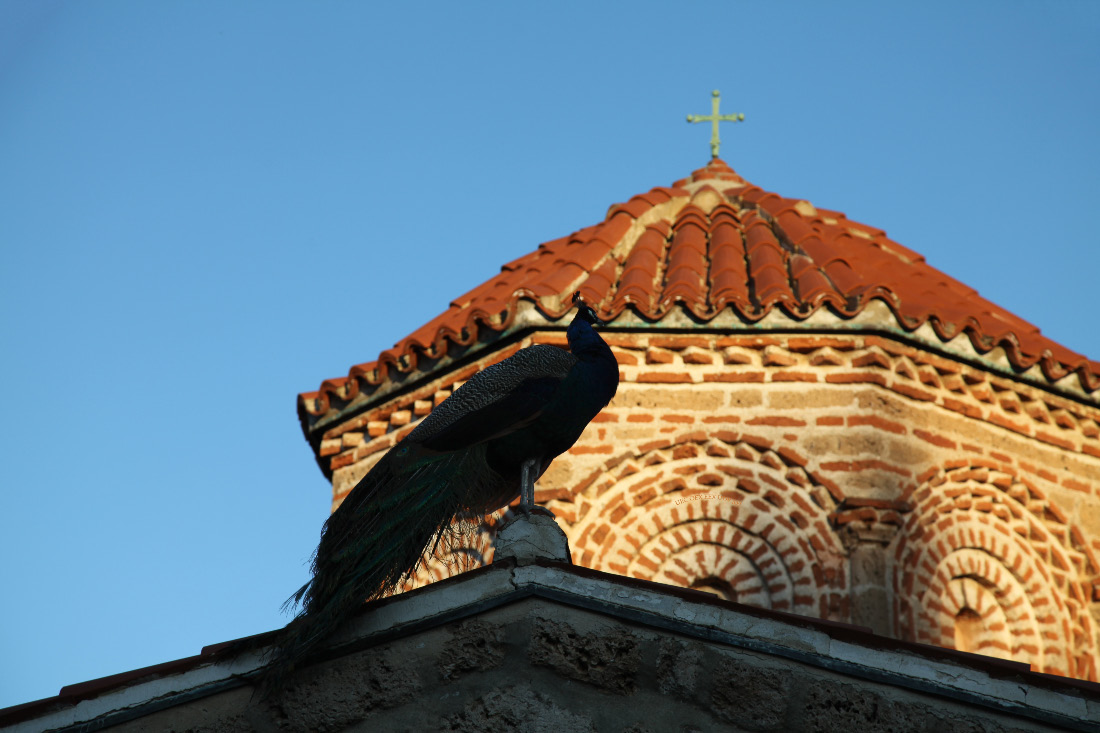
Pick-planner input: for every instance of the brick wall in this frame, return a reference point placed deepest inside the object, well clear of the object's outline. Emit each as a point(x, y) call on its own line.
point(850, 477)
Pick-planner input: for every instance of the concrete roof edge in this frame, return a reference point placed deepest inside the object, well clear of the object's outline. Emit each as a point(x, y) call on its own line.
point(1007, 687)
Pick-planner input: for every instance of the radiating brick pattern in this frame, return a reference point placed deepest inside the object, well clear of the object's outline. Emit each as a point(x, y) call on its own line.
point(715, 513)
point(990, 541)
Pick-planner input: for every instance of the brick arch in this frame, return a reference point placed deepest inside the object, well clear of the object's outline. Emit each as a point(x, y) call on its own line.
point(974, 579)
point(707, 508)
point(968, 593)
point(994, 535)
point(752, 568)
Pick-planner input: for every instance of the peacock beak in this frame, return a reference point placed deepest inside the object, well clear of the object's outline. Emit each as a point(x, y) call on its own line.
point(587, 312)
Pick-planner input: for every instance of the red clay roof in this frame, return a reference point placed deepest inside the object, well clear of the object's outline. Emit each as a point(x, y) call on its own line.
point(710, 242)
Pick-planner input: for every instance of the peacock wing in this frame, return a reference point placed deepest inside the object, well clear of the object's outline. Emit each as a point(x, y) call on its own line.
point(401, 501)
point(515, 410)
point(497, 400)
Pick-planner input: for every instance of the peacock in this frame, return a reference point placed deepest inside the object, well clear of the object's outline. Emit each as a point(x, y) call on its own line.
point(491, 439)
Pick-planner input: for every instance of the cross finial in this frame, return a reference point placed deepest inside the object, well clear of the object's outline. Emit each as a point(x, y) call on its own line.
point(714, 118)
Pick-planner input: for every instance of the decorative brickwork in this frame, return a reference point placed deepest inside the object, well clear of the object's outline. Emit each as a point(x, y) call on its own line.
point(743, 465)
point(989, 541)
point(718, 514)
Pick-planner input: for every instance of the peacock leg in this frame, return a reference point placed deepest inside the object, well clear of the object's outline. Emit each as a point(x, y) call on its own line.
point(527, 487)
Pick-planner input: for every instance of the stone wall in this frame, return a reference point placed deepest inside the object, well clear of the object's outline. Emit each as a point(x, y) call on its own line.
point(850, 477)
point(539, 666)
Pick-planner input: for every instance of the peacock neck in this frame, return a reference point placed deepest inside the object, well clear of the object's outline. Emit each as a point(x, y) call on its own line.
point(584, 342)
point(592, 382)
point(597, 364)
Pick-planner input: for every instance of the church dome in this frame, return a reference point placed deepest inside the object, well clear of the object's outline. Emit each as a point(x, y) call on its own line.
point(714, 251)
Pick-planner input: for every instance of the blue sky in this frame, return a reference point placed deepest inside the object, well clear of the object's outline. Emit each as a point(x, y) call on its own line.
point(206, 208)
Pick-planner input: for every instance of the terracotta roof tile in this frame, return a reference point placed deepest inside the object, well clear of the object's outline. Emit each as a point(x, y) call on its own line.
point(719, 242)
point(685, 278)
point(639, 276)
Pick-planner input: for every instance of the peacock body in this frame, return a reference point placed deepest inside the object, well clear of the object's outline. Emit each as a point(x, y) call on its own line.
point(489, 441)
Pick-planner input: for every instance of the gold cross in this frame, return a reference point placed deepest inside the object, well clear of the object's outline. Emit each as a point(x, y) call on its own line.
point(714, 118)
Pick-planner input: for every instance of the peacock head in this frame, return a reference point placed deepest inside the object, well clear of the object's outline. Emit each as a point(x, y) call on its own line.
point(585, 312)
point(581, 333)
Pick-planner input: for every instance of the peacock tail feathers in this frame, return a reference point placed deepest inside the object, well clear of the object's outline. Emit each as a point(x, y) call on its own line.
point(403, 513)
point(429, 495)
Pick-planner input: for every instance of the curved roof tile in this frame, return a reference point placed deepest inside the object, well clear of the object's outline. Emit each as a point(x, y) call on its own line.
point(720, 242)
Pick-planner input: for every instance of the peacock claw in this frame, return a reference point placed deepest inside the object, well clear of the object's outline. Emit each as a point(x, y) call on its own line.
point(520, 511)
point(527, 487)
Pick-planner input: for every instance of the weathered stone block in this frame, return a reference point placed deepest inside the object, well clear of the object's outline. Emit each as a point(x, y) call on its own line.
point(333, 697)
point(745, 397)
point(678, 667)
point(608, 661)
point(810, 398)
point(516, 709)
point(475, 645)
point(750, 697)
point(689, 398)
point(830, 706)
